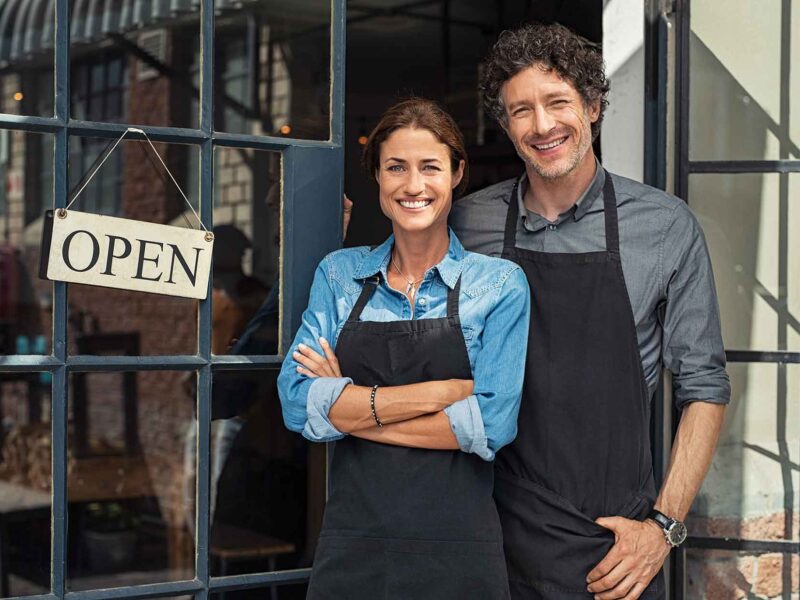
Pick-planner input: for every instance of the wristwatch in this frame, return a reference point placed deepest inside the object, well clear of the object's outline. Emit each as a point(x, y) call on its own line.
point(674, 530)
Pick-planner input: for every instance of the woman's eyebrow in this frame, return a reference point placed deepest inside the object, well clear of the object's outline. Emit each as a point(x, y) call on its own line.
point(395, 159)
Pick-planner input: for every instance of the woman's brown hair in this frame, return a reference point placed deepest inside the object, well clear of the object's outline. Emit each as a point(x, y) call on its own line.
point(418, 113)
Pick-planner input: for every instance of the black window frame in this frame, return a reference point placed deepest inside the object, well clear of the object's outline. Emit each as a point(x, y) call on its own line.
point(312, 186)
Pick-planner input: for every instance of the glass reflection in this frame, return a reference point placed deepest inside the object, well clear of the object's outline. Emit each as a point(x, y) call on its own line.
point(132, 184)
point(295, 591)
point(26, 192)
point(27, 35)
point(739, 101)
point(751, 491)
point(267, 483)
point(128, 520)
point(745, 218)
point(132, 62)
point(246, 251)
point(272, 68)
point(713, 574)
point(25, 483)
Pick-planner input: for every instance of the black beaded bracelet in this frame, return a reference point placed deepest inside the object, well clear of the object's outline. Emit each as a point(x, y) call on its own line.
point(372, 406)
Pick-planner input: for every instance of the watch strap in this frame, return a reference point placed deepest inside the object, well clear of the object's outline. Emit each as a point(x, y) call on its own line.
point(663, 520)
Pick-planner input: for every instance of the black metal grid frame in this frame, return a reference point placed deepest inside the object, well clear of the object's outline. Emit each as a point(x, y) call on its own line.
point(659, 18)
point(311, 200)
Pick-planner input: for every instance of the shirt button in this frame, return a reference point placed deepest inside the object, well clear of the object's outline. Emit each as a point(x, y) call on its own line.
point(551, 227)
point(422, 302)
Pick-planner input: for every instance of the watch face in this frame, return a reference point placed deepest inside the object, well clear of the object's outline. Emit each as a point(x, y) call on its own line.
point(677, 533)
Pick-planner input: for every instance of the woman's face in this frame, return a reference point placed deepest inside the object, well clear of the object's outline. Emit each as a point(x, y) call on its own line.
point(415, 179)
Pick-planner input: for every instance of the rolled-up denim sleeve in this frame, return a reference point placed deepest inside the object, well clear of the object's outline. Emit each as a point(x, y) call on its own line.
point(693, 349)
point(322, 393)
point(486, 421)
point(305, 401)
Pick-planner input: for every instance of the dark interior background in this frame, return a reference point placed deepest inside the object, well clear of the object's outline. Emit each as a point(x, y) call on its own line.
point(434, 49)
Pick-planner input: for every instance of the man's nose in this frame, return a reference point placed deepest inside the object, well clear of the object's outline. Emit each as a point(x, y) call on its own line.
point(543, 121)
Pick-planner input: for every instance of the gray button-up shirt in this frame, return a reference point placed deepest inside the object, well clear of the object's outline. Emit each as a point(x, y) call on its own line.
point(665, 262)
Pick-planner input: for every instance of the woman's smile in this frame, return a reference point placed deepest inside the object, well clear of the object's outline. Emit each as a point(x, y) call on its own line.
point(415, 204)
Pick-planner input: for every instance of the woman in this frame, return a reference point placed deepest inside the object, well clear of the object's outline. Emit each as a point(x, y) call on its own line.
point(423, 388)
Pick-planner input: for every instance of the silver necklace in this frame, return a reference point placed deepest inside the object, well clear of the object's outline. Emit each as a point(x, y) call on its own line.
point(411, 285)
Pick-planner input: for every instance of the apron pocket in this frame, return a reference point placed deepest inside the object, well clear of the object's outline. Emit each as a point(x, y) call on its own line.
point(446, 570)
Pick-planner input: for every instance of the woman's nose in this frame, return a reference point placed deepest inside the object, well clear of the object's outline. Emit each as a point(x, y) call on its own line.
point(414, 183)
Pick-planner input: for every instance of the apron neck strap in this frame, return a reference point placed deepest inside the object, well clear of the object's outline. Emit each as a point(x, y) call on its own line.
point(512, 216)
point(452, 298)
point(610, 213)
point(371, 284)
point(609, 209)
point(369, 287)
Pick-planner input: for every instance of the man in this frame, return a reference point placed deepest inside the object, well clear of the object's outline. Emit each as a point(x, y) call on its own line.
point(621, 283)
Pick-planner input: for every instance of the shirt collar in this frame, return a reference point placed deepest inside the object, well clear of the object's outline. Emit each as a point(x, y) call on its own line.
point(534, 222)
point(377, 261)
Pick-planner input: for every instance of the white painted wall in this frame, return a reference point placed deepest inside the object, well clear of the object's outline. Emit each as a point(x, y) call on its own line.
point(622, 139)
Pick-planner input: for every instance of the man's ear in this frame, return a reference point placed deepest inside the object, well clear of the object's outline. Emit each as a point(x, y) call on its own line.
point(594, 111)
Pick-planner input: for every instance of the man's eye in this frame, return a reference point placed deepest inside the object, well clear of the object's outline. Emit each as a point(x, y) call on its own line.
point(560, 102)
point(519, 112)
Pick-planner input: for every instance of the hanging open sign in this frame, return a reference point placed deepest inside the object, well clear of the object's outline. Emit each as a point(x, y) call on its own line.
point(92, 249)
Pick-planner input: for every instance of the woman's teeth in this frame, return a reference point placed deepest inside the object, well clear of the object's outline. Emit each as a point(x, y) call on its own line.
point(550, 145)
point(415, 203)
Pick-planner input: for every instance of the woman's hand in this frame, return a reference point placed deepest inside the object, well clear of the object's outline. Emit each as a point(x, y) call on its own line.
point(314, 364)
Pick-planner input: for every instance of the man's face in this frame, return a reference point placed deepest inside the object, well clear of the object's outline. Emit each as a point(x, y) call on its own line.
point(547, 121)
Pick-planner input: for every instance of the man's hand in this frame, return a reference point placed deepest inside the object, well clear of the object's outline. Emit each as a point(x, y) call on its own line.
point(314, 364)
point(638, 553)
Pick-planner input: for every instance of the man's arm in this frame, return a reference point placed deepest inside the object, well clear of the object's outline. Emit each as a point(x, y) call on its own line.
point(693, 351)
point(640, 548)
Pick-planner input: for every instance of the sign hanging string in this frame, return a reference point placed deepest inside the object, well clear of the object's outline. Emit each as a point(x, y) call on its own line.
point(161, 160)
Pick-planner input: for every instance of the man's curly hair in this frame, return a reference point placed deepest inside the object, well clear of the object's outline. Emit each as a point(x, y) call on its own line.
point(555, 47)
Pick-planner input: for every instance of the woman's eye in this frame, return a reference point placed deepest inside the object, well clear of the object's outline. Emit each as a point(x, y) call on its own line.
point(431, 168)
point(395, 168)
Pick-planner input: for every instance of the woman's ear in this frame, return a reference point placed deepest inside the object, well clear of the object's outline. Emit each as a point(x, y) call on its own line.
point(378, 176)
point(458, 175)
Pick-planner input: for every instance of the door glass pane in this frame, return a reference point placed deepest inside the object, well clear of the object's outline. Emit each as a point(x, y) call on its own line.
point(752, 490)
point(133, 62)
point(272, 68)
point(25, 483)
point(27, 36)
point(247, 213)
point(755, 252)
point(26, 192)
point(268, 483)
point(295, 591)
point(133, 185)
point(718, 574)
point(741, 101)
point(131, 478)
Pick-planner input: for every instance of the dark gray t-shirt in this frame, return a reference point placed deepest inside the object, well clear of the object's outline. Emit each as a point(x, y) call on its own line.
point(665, 262)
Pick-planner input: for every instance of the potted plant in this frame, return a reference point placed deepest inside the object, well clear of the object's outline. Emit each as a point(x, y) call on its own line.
point(109, 536)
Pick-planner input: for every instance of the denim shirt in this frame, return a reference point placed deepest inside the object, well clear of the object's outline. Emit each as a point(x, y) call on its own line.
point(494, 305)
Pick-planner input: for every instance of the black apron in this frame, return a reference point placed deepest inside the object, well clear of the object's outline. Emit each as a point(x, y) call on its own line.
point(583, 447)
point(407, 523)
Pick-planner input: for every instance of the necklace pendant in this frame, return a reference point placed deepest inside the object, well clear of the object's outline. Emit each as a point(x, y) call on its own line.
point(410, 289)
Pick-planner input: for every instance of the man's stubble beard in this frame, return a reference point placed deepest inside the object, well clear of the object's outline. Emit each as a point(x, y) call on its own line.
point(575, 157)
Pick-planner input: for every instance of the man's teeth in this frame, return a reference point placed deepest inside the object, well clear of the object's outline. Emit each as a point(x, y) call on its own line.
point(415, 204)
point(550, 145)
